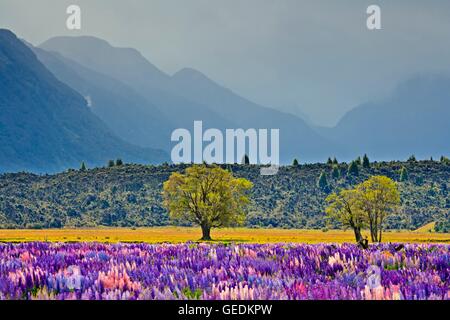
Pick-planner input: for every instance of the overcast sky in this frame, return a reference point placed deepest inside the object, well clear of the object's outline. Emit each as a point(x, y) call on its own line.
point(317, 57)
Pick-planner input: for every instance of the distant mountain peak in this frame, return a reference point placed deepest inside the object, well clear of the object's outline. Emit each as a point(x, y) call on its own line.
point(11, 44)
point(45, 125)
point(92, 40)
point(7, 33)
point(190, 73)
point(100, 56)
point(190, 95)
point(192, 76)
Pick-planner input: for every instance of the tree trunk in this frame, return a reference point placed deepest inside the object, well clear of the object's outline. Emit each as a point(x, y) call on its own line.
point(362, 243)
point(376, 226)
point(206, 233)
point(358, 235)
point(381, 229)
point(374, 236)
point(374, 231)
point(371, 230)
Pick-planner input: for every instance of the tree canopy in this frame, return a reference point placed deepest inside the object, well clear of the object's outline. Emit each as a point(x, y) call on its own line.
point(345, 208)
point(208, 196)
point(379, 198)
point(366, 161)
point(353, 168)
point(403, 174)
point(322, 182)
point(367, 205)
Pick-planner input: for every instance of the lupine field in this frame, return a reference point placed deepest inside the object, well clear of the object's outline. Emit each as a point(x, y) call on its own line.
point(43, 270)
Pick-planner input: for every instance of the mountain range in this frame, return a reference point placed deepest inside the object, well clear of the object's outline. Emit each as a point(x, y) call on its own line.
point(190, 95)
point(75, 99)
point(46, 125)
point(413, 119)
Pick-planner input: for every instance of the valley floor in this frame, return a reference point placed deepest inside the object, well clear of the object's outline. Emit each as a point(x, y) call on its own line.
point(184, 234)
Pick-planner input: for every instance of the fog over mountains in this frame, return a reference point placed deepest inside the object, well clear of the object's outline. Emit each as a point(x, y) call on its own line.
point(45, 125)
point(81, 99)
point(414, 119)
point(189, 95)
point(127, 113)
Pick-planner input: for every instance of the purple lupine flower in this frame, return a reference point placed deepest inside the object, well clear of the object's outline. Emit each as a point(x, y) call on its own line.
point(238, 271)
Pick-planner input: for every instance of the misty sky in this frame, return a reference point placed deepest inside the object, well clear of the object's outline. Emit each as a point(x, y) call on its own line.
point(313, 57)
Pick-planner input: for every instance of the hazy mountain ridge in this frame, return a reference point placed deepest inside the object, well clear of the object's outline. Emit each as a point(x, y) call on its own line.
point(189, 95)
point(44, 124)
point(296, 138)
point(128, 114)
point(143, 105)
point(414, 119)
point(131, 68)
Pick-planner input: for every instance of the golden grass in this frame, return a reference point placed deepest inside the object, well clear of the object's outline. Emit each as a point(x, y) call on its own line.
point(181, 234)
point(427, 227)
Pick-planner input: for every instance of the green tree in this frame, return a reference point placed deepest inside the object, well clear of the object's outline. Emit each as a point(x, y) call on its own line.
point(444, 190)
point(443, 224)
point(83, 166)
point(353, 169)
point(343, 170)
point(369, 204)
point(229, 168)
point(379, 197)
point(365, 161)
point(403, 174)
point(335, 172)
point(335, 160)
point(295, 163)
point(412, 159)
point(119, 162)
point(208, 196)
point(345, 207)
point(329, 161)
point(445, 160)
point(322, 182)
point(245, 160)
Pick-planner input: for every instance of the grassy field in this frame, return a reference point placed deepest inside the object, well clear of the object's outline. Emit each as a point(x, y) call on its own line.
point(178, 234)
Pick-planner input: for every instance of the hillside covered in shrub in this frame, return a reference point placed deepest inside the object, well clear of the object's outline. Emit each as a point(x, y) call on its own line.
point(130, 195)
